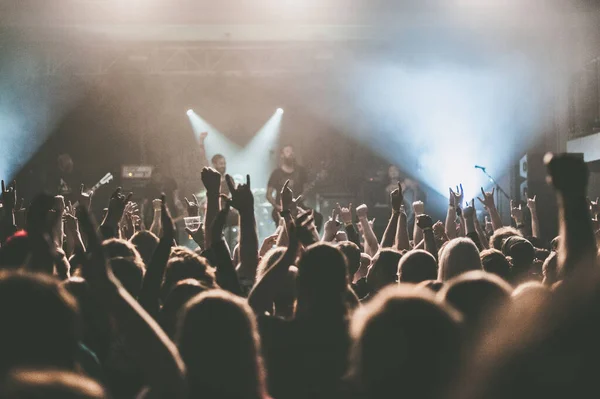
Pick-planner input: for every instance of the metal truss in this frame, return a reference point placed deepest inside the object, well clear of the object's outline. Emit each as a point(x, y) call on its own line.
point(198, 60)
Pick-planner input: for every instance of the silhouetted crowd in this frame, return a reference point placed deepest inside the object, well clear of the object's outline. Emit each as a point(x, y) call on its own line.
point(462, 308)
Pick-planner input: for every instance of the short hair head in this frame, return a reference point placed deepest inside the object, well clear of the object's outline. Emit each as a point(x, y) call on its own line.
point(417, 266)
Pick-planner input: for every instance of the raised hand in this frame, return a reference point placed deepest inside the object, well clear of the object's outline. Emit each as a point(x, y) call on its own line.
point(397, 198)
point(362, 212)
point(85, 198)
point(9, 196)
point(594, 207)
point(193, 207)
point(305, 228)
point(95, 268)
point(332, 225)
point(242, 198)
point(456, 197)
point(168, 228)
point(203, 136)
point(488, 199)
point(439, 231)
point(418, 207)
point(71, 224)
point(516, 213)
point(211, 180)
point(425, 222)
point(345, 213)
point(531, 204)
point(156, 204)
point(469, 211)
point(117, 204)
point(489, 228)
point(267, 244)
point(288, 202)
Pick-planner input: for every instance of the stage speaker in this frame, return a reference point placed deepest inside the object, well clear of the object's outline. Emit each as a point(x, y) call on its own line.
point(536, 185)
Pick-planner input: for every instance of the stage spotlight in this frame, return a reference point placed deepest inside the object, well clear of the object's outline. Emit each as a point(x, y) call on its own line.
point(280, 110)
point(190, 112)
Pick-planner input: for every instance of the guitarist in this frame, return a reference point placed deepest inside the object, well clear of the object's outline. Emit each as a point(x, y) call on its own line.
point(290, 170)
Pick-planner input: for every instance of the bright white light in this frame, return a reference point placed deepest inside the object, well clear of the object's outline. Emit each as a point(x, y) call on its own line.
point(280, 110)
point(190, 112)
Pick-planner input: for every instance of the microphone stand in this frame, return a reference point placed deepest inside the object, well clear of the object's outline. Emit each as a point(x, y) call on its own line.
point(499, 188)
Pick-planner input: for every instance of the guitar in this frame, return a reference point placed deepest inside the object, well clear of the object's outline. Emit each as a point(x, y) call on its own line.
point(105, 180)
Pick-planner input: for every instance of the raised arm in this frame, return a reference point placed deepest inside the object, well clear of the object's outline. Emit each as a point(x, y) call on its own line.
point(389, 236)
point(402, 241)
point(242, 199)
point(227, 277)
point(116, 206)
point(418, 209)
point(331, 226)
point(346, 215)
point(370, 240)
point(156, 225)
point(263, 294)
point(212, 182)
point(535, 222)
point(469, 218)
point(156, 356)
point(577, 247)
point(489, 204)
point(516, 213)
point(9, 201)
point(425, 223)
point(480, 233)
point(451, 216)
point(150, 293)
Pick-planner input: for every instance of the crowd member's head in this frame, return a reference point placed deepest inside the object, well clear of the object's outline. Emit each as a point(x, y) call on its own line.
point(219, 163)
point(96, 323)
point(417, 266)
point(118, 248)
point(433, 285)
point(353, 255)
point(15, 250)
point(550, 269)
point(406, 343)
point(322, 283)
point(145, 242)
point(37, 384)
point(218, 341)
point(285, 297)
point(40, 323)
point(288, 156)
point(497, 239)
point(185, 264)
point(522, 255)
point(494, 261)
point(129, 273)
point(384, 269)
point(180, 294)
point(458, 256)
point(476, 295)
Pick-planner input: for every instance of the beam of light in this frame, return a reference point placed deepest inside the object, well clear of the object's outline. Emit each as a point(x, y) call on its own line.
point(259, 157)
point(216, 142)
point(438, 121)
